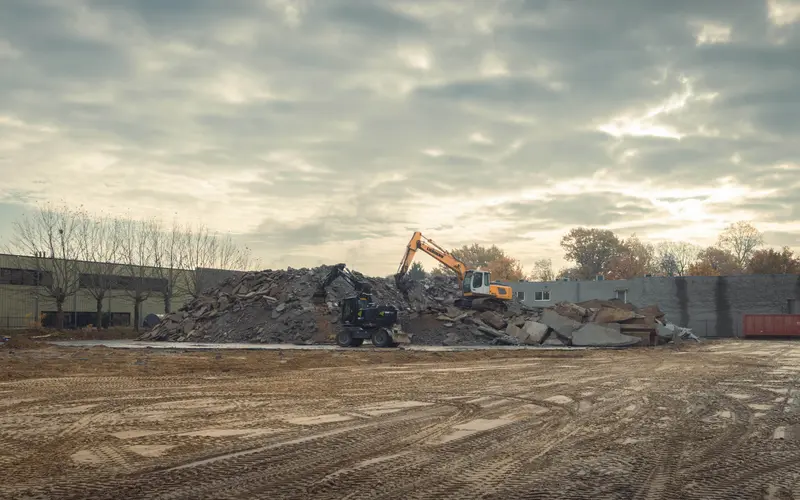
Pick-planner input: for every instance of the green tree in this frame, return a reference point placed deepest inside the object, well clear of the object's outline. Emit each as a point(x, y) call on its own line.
point(592, 250)
point(506, 269)
point(634, 258)
point(416, 272)
point(492, 259)
point(476, 256)
point(770, 261)
point(714, 261)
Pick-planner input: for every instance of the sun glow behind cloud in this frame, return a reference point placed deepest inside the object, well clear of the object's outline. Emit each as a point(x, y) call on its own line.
point(332, 130)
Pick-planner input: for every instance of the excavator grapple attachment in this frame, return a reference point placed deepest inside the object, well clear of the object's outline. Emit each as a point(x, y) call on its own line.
point(399, 336)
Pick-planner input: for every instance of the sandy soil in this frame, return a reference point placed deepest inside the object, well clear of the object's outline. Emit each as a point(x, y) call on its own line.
point(715, 421)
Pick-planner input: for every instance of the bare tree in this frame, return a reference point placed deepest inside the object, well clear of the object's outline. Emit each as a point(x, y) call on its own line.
point(673, 258)
point(48, 240)
point(206, 250)
point(138, 276)
point(100, 247)
point(169, 256)
point(542, 270)
point(741, 239)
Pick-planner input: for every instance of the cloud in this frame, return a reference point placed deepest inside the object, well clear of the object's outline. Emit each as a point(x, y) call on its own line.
point(324, 130)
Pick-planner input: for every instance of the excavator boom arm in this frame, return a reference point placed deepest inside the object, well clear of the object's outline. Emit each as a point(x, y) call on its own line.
point(419, 242)
point(341, 271)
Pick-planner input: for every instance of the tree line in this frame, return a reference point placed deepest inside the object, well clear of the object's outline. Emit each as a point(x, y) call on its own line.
point(593, 252)
point(72, 249)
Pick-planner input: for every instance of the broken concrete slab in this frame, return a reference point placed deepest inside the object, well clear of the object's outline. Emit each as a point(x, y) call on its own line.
point(494, 320)
point(597, 335)
point(561, 325)
point(521, 335)
point(552, 340)
point(612, 315)
point(450, 339)
point(514, 331)
point(535, 331)
point(665, 333)
point(571, 311)
point(489, 331)
point(453, 311)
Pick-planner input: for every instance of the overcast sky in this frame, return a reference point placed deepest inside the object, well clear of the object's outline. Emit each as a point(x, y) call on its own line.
point(330, 130)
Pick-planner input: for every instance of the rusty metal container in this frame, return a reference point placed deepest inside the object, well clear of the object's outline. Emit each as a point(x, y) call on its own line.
point(771, 325)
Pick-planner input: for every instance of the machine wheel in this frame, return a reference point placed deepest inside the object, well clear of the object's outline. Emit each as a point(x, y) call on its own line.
point(356, 342)
point(381, 338)
point(344, 339)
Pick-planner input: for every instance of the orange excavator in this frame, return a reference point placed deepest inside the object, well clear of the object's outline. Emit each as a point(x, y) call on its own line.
point(477, 288)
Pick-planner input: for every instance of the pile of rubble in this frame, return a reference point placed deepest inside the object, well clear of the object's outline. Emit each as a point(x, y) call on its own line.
point(594, 323)
point(279, 307)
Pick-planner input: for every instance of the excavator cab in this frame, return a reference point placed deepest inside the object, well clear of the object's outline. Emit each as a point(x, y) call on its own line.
point(476, 283)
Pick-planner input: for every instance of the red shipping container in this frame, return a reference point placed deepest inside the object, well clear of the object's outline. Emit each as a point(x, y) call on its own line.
point(771, 325)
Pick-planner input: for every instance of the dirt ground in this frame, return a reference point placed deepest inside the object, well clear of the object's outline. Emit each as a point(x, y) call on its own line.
point(712, 421)
point(48, 334)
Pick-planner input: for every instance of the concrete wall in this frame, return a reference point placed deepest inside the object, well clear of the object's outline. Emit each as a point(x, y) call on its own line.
point(711, 306)
point(21, 306)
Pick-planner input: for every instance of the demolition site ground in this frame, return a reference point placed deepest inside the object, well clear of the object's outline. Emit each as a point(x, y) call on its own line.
point(715, 420)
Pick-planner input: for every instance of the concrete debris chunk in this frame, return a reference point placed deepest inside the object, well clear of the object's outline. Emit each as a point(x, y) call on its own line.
point(521, 335)
point(612, 315)
point(674, 332)
point(536, 332)
point(571, 311)
point(598, 335)
point(563, 327)
point(494, 320)
point(515, 331)
point(553, 341)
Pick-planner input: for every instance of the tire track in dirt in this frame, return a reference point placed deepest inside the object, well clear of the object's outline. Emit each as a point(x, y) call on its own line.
point(532, 472)
point(727, 440)
point(571, 451)
point(285, 461)
point(308, 472)
point(490, 450)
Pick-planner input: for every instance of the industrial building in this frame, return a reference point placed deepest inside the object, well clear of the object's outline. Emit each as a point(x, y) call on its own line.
point(28, 284)
point(712, 306)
